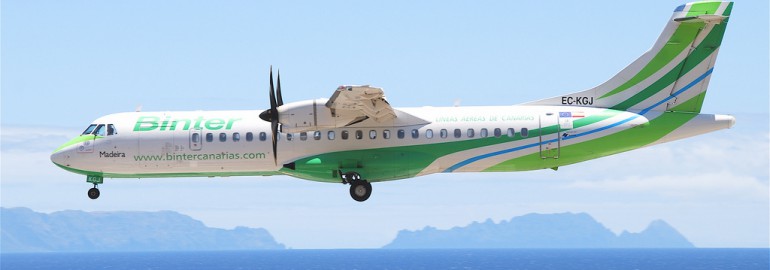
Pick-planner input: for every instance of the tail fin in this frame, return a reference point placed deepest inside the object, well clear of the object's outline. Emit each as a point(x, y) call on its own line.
point(673, 75)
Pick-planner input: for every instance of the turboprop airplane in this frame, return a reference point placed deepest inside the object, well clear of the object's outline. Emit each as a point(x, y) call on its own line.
point(356, 137)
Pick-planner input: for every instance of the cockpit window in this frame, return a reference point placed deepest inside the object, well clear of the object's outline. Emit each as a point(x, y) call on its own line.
point(100, 130)
point(111, 130)
point(89, 130)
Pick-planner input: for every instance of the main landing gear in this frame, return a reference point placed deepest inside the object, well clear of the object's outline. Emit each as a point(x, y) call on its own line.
point(360, 189)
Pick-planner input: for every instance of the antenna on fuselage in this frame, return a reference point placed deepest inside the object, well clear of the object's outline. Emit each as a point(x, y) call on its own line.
point(139, 108)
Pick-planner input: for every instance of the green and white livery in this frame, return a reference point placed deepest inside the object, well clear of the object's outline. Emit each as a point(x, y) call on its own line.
point(355, 137)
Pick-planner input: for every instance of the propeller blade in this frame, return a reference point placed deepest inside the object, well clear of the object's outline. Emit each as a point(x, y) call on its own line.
point(272, 93)
point(273, 115)
point(280, 97)
point(274, 126)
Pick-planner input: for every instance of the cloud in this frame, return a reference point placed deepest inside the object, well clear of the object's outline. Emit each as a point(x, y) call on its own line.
point(686, 185)
point(34, 139)
point(725, 165)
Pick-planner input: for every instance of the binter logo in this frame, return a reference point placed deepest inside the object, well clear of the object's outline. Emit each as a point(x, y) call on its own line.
point(150, 123)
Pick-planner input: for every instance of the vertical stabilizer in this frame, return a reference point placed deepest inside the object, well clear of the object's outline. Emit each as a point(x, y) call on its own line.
point(673, 75)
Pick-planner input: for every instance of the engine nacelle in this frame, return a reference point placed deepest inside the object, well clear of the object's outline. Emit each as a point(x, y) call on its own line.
point(309, 115)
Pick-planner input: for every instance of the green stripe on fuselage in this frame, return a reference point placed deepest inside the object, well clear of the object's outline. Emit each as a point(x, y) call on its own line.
point(393, 163)
point(603, 146)
point(77, 140)
point(166, 175)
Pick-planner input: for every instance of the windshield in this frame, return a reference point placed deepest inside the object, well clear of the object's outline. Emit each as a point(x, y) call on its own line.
point(89, 130)
point(100, 130)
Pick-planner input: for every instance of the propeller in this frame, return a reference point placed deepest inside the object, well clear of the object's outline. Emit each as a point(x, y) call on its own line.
point(271, 115)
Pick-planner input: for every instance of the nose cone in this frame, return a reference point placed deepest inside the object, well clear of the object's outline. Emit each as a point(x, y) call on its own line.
point(267, 115)
point(61, 156)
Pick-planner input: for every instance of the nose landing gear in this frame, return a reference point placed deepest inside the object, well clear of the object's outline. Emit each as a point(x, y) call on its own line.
point(93, 193)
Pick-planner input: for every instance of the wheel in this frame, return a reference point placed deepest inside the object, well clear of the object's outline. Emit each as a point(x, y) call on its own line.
point(360, 190)
point(93, 193)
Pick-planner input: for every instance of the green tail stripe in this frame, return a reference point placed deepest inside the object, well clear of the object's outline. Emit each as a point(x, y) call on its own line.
point(679, 41)
point(692, 105)
point(705, 8)
point(710, 44)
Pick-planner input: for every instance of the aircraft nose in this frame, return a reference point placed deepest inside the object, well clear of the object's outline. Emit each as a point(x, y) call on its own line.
point(60, 157)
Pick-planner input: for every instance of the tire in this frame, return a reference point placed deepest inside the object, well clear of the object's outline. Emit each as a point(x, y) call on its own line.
point(360, 190)
point(93, 193)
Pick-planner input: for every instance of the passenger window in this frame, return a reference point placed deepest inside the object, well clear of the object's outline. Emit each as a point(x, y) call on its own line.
point(511, 132)
point(458, 133)
point(345, 134)
point(89, 129)
point(236, 137)
point(372, 134)
point(303, 136)
point(498, 133)
point(415, 134)
point(100, 130)
point(359, 134)
point(196, 137)
point(471, 133)
point(443, 133)
point(289, 136)
point(401, 134)
point(249, 136)
point(263, 136)
point(316, 135)
point(330, 135)
point(429, 134)
point(386, 134)
point(209, 137)
point(222, 137)
point(524, 132)
point(483, 133)
point(111, 130)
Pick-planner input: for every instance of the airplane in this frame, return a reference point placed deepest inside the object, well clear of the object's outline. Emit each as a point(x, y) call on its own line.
point(356, 137)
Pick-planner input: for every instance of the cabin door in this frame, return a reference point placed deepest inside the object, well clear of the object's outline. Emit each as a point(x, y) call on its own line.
point(550, 135)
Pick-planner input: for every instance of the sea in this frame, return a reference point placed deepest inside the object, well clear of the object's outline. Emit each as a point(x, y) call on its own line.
point(631, 259)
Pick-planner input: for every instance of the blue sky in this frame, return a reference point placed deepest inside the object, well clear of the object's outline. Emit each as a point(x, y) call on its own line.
point(65, 63)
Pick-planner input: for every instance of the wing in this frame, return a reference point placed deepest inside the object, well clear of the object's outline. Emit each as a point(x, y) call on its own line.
point(360, 102)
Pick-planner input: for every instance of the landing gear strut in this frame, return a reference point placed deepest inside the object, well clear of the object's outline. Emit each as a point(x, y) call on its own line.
point(360, 189)
point(93, 193)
